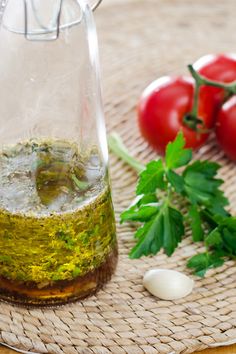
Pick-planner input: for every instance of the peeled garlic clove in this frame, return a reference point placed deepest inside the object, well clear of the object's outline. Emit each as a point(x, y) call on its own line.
point(167, 284)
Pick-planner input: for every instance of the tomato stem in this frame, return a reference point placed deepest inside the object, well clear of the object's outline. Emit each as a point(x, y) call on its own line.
point(117, 146)
point(194, 112)
point(191, 120)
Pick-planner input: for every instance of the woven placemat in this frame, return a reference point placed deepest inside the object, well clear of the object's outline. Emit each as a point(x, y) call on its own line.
point(139, 41)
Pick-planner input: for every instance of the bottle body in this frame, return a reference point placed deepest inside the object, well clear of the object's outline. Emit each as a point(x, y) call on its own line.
point(57, 226)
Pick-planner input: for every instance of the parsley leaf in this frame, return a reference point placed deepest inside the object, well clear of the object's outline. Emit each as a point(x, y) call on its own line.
point(149, 238)
point(202, 186)
point(195, 223)
point(205, 261)
point(146, 199)
point(142, 214)
point(151, 178)
point(176, 155)
point(176, 181)
point(218, 204)
point(214, 239)
point(221, 245)
point(224, 236)
point(164, 230)
point(173, 229)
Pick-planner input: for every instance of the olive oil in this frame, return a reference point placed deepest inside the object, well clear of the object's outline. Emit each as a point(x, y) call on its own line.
point(57, 228)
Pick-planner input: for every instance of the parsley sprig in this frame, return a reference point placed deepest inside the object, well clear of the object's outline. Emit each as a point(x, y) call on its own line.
point(174, 194)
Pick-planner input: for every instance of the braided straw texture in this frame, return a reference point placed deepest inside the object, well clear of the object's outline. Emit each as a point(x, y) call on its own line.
point(139, 41)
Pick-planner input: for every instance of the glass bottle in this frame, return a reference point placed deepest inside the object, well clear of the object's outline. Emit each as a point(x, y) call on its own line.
point(57, 227)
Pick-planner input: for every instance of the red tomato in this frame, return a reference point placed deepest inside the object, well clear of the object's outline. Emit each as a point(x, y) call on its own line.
point(226, 127)
point(162, 108)
point(215, 67)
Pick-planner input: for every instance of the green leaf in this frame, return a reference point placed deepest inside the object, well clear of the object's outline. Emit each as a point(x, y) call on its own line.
point(228, 222)
point(142, 214)
point(151, 178)
point(214, 238)
point(209, 218)
point(205, 261)
point(176, 181)
point(205, 167)
point(164, 230)
point(149, 238)
point(218, 202)
point(173, 230)
point(223, 237)
point(176, 155)
point(195, 223)
point(229, 240)
point(199, 263)
point(147, 199)
point(143, 230)
point(208, 168)
point(201, 186)
point(143, 208)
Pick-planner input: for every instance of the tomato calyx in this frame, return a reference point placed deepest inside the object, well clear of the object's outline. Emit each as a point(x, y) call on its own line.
point(194, 123)
point(191, 120)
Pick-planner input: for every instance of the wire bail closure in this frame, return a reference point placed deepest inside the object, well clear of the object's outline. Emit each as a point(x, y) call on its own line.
point(95, 6)
point(55, 29)
point(43, 33)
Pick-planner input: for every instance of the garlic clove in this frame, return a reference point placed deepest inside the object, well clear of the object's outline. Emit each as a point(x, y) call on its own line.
point(167, 284)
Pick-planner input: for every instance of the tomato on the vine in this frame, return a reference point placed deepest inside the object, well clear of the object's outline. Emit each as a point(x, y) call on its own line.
point(226, 127)
point(168, 105)
point(163, 111)
point(216, 67)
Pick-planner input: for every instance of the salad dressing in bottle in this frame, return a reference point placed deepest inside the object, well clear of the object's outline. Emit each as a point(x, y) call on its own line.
point(57, 227)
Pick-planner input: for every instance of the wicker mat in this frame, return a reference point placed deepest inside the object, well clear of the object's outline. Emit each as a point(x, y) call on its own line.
point(139, 41)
